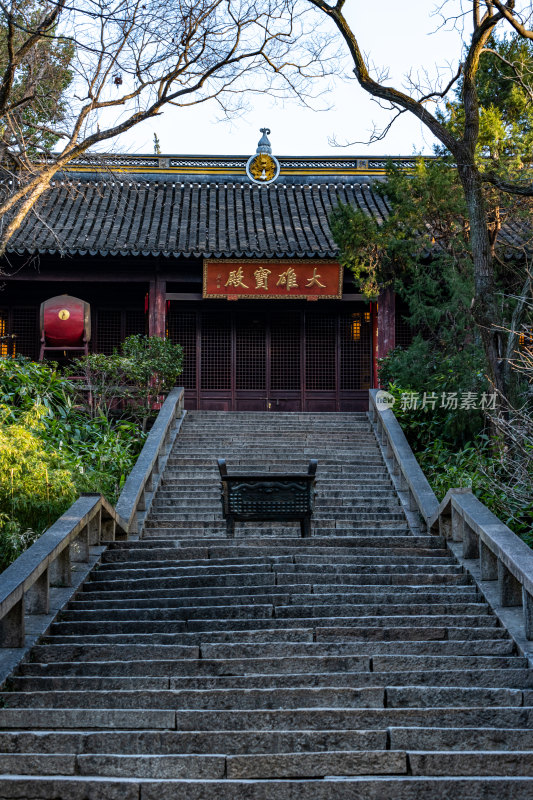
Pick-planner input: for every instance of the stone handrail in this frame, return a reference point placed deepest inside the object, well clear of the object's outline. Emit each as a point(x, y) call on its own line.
point(25, 584)
point(503, 556)
point(142, 479)
point(90, 520)
point(461, 517)
point(422, 498)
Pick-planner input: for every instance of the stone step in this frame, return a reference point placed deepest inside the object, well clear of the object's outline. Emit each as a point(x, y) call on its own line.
point(262, 462)
point(327, 470)
point(294, 450)
point(511, 678)
point(192, 510)
point(142, 558)
point(241, 578)
point(201, 505)
point(266, 633)
point(196, 631)
point(243, 531)
point(231, 548)
point(220, 699)
point(383, 482)
point(274, 666)
point(297, 588)
point(172, 742)
point(122, 572)
point(246, 767)
point(262, 719)
point(361, 614)
point(268, 594)
point(347, 788)
point(241, 650)
point(281, 563)
point(258, 720)
point(328, 629)
point(332, 474)
point(189, 530)
point(325, 496)
point(444, 739)
point(265, 457)
point(382, 592)
point(471, 763)
point(355, 543)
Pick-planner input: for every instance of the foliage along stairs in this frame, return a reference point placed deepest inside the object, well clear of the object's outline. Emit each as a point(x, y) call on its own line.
point(358, 663)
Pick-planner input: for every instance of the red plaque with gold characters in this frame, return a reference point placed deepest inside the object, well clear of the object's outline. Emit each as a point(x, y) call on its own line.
point(272, 279)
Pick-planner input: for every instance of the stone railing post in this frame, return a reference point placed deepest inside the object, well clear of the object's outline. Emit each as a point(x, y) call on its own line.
point(460, 518)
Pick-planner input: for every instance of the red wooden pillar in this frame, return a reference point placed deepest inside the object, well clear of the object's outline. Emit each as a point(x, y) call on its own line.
point(157, 308)
point(374, 311)
point(386, 322)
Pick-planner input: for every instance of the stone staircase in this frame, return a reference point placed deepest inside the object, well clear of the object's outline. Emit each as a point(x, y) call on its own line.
point(359, 663)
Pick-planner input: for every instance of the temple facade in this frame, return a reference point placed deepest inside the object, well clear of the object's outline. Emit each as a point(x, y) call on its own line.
point(232, 257)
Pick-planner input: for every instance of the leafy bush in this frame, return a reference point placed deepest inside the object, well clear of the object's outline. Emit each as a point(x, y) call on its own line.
point(13, 541)
point(132, 381)
point(475, 466)
point(421, 370)
point(463, 448)
point(25, 384)
point(154, 363)
point(35, 485)
point(51, 450)
point(458, 449)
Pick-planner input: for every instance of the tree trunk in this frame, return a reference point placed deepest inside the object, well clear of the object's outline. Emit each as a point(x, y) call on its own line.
point(484, 309)
point(41, 184)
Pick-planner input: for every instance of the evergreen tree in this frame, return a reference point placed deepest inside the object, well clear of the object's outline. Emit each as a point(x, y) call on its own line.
point(424, 249)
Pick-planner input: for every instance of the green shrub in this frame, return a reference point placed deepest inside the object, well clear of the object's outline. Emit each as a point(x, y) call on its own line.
point(460, 448)
point(421, 368)
point(51, 450)
point(25, 384)
point(35, 484)
point(13, 540)
point(133, 381)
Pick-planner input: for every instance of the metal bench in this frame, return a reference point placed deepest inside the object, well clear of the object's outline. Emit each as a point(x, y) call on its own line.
point(271, 496)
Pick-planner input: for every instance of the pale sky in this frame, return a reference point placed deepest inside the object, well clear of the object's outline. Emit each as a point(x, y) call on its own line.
point(392, 38)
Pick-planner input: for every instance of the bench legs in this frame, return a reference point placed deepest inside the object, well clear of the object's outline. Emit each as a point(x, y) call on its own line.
point(305, 526)
point(230, 527)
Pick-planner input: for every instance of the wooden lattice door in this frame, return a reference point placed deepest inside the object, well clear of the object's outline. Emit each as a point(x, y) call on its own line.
point(289, 360)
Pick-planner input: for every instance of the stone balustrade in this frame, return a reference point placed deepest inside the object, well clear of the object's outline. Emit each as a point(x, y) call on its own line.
point(503, 556)
point(141, 483)
point(25, 584)
point(422, 498)
point(461, 517)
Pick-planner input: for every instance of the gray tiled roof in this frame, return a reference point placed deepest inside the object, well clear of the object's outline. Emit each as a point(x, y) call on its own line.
point(164, 216)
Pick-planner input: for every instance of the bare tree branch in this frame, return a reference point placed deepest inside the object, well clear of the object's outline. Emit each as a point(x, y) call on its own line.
point(507, 11)
point(131, 59)
point(461, 143)
point(524, 190)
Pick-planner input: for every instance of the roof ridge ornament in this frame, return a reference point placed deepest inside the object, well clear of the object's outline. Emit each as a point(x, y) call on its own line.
point(263, 167)
point(263, 145)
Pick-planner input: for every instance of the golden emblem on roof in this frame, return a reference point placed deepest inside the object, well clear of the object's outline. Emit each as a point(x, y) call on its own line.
point(263, 167)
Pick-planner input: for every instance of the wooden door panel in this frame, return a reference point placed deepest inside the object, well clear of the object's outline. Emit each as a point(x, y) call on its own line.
point(290, 360)
point(215, 352)
point(214, 401)
point(250, 403)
